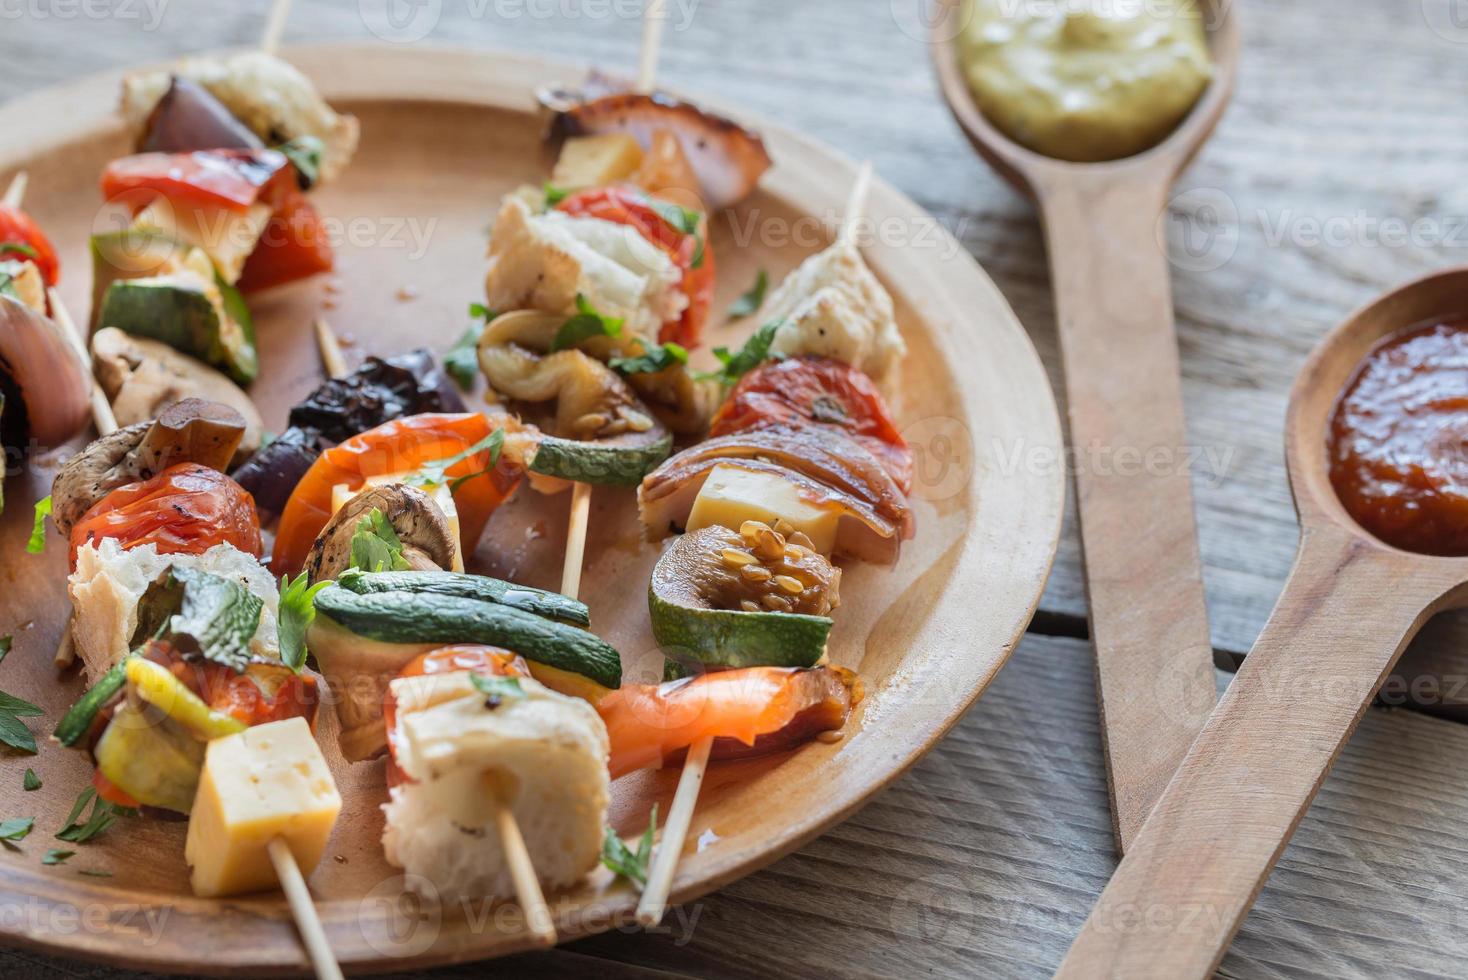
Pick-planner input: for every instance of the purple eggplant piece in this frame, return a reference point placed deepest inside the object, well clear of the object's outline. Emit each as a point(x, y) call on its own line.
point(189, 118)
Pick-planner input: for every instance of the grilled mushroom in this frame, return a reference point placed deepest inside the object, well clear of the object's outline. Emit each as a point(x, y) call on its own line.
point(727, 158)
point(43, 383)
point(190, 431)
point(428, 542)
point(142, 377)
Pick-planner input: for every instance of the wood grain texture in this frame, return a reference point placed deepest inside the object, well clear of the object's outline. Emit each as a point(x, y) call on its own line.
point(1351, 121)
point(1144, 579)
point(1349, 608)
point(983, 860)
point(446, 134)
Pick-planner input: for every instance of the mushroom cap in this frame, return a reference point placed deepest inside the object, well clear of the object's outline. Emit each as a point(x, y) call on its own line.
point(190, 431)
point(48, 393)
point(428, 542)
point(142, 377)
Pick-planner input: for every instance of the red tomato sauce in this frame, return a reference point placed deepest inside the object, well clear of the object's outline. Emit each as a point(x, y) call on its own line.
point(1399, 440)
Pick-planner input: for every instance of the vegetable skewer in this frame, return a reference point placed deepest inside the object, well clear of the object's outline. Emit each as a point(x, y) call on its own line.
point(653, 17)
point(517, 856)
point(654, 902)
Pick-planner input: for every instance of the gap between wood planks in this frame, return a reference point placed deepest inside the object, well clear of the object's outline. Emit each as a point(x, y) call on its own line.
point(1396, 692)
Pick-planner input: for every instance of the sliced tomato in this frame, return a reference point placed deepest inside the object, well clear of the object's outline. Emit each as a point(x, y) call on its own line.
point(748, 711)
point(690, 251)
point(404, 445)
point(186, 509)
point(109, 792)
point(231, 179)
point(473, 657)
point(819, 391)
point(293, 246)
point(20, 236)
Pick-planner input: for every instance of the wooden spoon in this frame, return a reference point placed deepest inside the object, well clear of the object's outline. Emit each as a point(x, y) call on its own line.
point(1350, 606)
point(1114, 311)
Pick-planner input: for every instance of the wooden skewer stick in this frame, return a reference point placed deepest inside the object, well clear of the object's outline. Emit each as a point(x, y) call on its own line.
point(331, 349)
point(654, 902)
point(102, 418)
point(308, 921)
point(275, 25)
point(15, 193)
point(653, 18)
point(527, 884)
point(576, 539)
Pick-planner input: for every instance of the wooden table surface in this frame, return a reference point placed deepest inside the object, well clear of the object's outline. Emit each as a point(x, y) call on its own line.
point(1337, 173)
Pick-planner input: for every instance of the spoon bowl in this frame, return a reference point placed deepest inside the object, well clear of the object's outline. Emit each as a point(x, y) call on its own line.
point(1114, 317)
point(1351, 605)
point(1030, 172)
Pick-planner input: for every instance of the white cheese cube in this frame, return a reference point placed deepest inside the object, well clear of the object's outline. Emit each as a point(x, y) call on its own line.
point(266, 782)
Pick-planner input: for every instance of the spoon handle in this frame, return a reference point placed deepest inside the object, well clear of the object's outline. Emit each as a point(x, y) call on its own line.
point(1131, 460)
point(1202, 857)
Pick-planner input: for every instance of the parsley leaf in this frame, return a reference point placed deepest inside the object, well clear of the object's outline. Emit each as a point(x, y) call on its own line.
point(376, 546)
point(37, 543)
point(584, 325)
point(16, 828)
point(304, 152)
point(20, 248)
point(5, 642)
point(56, 856)
point(752, 299)
point(462, 360)
point(200, 613)
point(434, 473)
point(295, 616)
point(554, 195)
point(102, 816)
point(31, 782)
point(650, 362)
point(92, 873)
point(627, 863)
point(686, 220)
point(497, 688)
point(13, 731)
point(754, 352)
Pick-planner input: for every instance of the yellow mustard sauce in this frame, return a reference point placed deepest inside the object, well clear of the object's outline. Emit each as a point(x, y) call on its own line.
point(1085, 80)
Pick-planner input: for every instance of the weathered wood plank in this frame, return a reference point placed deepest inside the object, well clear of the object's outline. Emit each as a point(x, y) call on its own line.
point(985, 858)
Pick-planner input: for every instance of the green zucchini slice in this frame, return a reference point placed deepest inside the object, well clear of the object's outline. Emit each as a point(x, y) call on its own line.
point(707, 612)
point(417, 618)
point(541, 602)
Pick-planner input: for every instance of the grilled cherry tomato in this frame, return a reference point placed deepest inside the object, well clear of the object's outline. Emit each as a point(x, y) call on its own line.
point(293, 246)
point(234, 180)
point(186, 509)
point(818, 390)
point(690, 251)
point(20, 236)
point(405, 446)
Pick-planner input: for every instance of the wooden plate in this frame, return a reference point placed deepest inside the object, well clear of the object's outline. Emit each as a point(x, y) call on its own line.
point(445, 134)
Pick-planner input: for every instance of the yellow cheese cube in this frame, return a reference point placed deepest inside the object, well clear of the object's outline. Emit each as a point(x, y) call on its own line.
point(591, 161)
point(266, 782)
point(733, 494)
